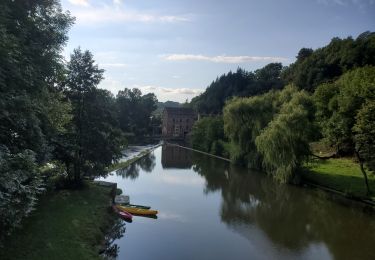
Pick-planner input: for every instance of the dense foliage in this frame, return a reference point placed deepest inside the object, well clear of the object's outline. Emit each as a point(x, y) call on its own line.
point(241, 84)
point(32, 35)
point(93, 138)
point(344, 113)
point(208, 135)
point(314, 67)
point(271, 129)
point(55, 123)
point(135, 111)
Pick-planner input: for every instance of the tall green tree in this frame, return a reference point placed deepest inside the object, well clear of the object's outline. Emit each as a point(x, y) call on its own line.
point(284, 143)
point(135, 111)
point(364, 139)
point(343, 109)
point(94, 138)
point(32, 36)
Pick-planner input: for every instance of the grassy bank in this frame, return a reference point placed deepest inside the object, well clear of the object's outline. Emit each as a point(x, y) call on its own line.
point(67, 224)
point(342, 174)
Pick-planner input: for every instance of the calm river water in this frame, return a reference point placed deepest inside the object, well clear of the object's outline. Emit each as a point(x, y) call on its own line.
point(209, 209)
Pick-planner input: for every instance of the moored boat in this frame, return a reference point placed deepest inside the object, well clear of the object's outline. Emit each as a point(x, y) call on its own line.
point(122, 213)
point(137, 206)
point(137, 211)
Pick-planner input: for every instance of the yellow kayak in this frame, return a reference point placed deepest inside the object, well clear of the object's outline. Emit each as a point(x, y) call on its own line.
point(138, 211)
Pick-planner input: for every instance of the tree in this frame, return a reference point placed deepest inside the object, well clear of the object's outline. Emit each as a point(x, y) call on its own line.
point(135, 111)
point(20, 183)
point(328, 63)
point(208, 134)
point(284, 143)
point(237, 84)
point(364, 138)
point(32, 35)
point(338, 104)
point(94, 139)
point(343, 109)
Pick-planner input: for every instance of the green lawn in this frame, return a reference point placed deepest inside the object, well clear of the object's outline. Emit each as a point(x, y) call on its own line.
point(341, 174)
point(67, 224)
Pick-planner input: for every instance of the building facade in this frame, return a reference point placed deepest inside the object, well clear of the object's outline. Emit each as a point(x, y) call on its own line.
point(177, 122)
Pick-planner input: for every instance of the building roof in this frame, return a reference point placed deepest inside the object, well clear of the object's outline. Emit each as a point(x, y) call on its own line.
point(179, 111)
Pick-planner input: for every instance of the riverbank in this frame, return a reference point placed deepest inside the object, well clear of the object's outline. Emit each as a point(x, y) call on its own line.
point(342, 175)
point(67, 224)
point(339, 176)
point(133, 154)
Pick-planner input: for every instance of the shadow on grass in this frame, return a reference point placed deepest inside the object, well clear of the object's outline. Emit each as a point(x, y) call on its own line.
point(340, 174)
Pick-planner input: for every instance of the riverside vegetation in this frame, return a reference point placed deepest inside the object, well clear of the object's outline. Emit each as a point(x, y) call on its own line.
point(267, 119)
point(57, 126)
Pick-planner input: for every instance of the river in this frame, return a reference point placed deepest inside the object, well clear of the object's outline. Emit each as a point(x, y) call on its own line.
point(210, 209)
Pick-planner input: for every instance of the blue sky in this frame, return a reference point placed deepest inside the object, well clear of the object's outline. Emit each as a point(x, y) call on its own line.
point(176, 48)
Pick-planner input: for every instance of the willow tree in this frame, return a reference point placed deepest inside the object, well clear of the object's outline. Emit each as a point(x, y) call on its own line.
point(284, 143)
point(244, 119)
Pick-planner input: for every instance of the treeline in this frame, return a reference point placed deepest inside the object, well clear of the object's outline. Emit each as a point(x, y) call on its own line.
point(56, 125)
point(329, 95)
point(241, 84)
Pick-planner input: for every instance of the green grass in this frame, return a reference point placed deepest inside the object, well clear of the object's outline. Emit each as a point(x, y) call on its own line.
point(68, 224)
point(341, 174)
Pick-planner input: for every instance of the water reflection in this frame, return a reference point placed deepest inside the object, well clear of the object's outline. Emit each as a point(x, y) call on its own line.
point(117, 231)
point(175, 157)
point(292, 218)
point(146, 163)
point(240, 214)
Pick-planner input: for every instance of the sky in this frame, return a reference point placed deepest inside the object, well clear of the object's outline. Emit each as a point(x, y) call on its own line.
point(176, 48)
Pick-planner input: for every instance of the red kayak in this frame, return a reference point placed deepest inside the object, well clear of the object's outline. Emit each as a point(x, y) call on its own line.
point(122, 213)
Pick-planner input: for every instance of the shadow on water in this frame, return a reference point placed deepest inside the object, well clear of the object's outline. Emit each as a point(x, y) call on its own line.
point(146, 163)
point(117, 231)
point(291, 217)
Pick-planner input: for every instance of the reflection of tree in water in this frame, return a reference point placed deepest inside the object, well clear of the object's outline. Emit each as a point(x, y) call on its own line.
point(291, 217)
point(116, 232)
point(214, 171)
point(146, 163)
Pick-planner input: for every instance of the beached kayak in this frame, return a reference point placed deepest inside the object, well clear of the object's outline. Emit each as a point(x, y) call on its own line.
point(138, 211)
point(122, 213)
point(137, 206)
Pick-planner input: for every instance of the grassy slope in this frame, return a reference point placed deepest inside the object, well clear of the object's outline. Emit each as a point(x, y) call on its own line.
point(342, 174)
point(66, 225)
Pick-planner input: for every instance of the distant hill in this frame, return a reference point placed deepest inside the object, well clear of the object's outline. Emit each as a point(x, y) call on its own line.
point(162, 105)
point(241, 83)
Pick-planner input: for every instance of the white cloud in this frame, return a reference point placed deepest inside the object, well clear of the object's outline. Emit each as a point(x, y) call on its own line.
point(221, 58)
point(117, 14)
point(162, 93)
point(80, 2)
point(117, 2)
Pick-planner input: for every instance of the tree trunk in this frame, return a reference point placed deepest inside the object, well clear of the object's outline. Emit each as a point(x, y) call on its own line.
point(363, 172)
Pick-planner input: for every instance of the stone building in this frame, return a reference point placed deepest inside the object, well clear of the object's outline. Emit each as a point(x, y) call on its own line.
point(177, 122)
